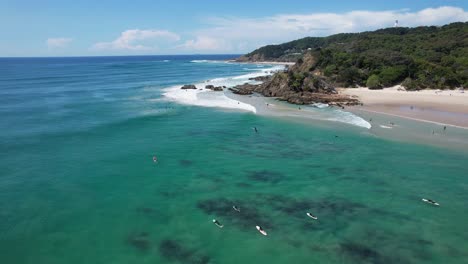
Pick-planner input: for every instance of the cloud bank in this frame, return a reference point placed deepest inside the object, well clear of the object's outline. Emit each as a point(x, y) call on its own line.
point(239, 35)
point(138, 40)
point(57, 43)
point(234, 34)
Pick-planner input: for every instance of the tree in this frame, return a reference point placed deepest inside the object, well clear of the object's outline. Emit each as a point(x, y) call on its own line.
point(373, 82)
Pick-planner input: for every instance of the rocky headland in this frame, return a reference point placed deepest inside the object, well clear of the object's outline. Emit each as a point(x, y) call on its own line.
point(297, 85)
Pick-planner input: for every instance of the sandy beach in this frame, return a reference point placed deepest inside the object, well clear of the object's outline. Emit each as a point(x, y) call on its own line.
point(448, 107)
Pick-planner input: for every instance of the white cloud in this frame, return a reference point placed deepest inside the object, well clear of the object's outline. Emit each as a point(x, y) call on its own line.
point(138, 40)
point(53, 43)
point(204, 43)
point(234, 34)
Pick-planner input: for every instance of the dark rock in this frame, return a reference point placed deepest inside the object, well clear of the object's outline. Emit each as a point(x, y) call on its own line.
point(261, 78)
point(188, 86)
point(213, 88)
point(244, 89)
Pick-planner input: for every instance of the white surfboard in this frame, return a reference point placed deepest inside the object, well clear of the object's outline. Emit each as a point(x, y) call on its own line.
point(218, 224)
point(311, 216)
point(263, 232)
point(430, 202)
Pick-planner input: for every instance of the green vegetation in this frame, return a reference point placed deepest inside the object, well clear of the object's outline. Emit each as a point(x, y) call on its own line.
point(422, 57)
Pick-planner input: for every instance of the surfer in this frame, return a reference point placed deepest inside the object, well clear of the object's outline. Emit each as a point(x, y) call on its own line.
point(445, 128)
point(155, 159)
point(236, 208)
point(429, 201)
point(255, 129)
point(312, 216)
point(260, 229)
point(217, 223)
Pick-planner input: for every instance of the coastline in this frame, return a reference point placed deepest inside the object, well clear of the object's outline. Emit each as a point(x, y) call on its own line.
point(262, 62)
point(448, 107)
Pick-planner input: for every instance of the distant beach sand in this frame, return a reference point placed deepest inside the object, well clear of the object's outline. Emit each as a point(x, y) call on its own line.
point(448, 107)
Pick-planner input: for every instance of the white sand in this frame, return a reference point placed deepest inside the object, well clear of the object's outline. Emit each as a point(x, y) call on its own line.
point(443, 107)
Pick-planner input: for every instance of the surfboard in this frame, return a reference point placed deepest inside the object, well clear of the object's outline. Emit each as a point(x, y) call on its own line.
point(217, 223)
point(430, 202)
point(261, 231)
point(311, 216)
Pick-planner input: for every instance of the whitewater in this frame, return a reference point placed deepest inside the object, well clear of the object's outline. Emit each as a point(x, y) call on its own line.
point(208, 98)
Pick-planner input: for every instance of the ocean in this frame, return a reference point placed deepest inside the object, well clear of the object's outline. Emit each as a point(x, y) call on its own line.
point(78, 183)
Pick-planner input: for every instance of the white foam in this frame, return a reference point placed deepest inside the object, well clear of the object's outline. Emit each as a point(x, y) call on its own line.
point(350, 118)
point(207, 61)
point(208, 98)
point(320, 105)
point(387, 127)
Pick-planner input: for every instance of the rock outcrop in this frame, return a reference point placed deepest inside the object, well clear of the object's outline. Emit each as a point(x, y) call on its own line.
point(188, 86)
point(213, 88)
point(298, 85)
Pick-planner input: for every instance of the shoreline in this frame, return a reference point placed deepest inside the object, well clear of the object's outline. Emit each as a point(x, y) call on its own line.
point(448, 108)
point(383, 125)
point(263, 62)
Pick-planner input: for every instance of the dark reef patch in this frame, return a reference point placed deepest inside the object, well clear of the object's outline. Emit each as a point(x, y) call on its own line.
point(139, 241)
point(266, 176)
point(336, 170)
point(146, 210)
point(185, 162)
point(175, 251)
point(243, 185)
point(246, 219)
point(360, 253)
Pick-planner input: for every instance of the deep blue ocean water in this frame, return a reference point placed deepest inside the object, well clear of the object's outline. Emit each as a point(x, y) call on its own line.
point(78, 183)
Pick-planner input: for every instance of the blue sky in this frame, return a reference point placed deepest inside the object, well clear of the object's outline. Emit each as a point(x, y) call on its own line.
point(102, 27)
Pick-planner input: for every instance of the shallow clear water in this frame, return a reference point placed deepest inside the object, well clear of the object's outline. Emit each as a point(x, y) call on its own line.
point(78, 184)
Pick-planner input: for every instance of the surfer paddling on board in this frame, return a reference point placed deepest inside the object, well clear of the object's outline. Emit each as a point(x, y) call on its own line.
point(217, 223)
point(312, 216)
point(260, 229)
point(155, 159)
point(429, 201)
point(236, 208)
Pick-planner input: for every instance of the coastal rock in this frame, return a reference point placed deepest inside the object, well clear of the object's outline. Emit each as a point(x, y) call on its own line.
point(244, 89)
point(261, 78)
point(188, 86)
point(213, 88)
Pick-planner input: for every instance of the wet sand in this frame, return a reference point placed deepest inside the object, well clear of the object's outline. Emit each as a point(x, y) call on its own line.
point(402, 128)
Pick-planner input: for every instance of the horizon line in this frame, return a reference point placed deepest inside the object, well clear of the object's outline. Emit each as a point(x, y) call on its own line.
point(102, 56)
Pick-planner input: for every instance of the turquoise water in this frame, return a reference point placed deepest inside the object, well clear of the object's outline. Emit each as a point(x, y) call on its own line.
point(78, 184)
